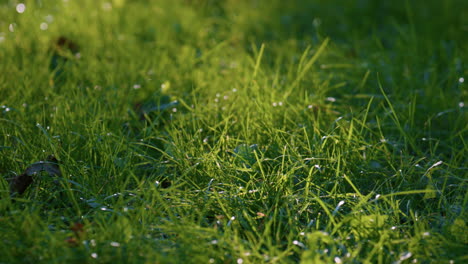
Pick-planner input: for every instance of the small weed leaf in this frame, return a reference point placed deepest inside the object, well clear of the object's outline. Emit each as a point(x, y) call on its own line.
point(246, 154)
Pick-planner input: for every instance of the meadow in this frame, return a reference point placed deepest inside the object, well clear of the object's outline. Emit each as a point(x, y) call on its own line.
point(233, 131)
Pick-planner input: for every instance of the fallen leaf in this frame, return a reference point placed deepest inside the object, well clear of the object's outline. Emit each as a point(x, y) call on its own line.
point(78, 235)
point(260, 215)
point(21, 182)
point(71, 241)
point(78, 230)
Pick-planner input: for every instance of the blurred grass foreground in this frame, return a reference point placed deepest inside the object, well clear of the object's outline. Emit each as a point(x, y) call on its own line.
point(233, 131)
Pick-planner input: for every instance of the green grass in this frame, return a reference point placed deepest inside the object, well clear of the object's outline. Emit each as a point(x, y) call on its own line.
point(236, 131)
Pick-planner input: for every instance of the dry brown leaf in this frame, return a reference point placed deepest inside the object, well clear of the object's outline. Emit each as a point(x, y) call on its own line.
point(260, 214)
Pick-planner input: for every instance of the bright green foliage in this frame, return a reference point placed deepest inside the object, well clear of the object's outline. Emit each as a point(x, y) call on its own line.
point(235, 131)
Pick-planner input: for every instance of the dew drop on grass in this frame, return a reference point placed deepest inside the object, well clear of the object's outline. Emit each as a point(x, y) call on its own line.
point(115, 244)
point(299, 244)
point(49, 18)
point(20, 8)
point(107, 6)
point(405, 256)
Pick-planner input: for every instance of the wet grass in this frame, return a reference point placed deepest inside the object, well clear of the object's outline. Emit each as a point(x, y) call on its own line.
point(235, 131)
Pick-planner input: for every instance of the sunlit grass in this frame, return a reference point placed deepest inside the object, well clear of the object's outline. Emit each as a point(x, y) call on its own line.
point(235, 131)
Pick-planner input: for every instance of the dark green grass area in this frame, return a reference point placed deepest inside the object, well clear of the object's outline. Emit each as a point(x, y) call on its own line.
point(235, 131)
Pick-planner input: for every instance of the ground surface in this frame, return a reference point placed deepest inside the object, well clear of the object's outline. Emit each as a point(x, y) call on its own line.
point(234, 131)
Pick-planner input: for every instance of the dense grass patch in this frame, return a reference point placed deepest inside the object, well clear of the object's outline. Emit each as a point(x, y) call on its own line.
point(234, 131)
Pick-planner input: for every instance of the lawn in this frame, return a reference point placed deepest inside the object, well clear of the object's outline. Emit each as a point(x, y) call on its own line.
point(233, 131)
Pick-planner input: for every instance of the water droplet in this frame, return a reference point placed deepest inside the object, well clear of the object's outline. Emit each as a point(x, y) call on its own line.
point(49, 18)
point(338, 207)
point(405, 256)
point(44, 26)
point(107, 6)
point(115, 244)
point(298, 243)
point(214, 242)
point(317, 22)
point(94, 255)
point(280, 103)
point(234, 90)
point(20, 8)
point(461, 104)
point(331, 99)
point(461, 80)
point(174, 109)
